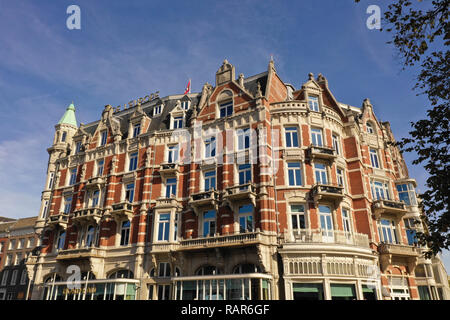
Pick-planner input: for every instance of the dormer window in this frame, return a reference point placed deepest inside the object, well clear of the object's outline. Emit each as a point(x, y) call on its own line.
point(185, 105)
point(104, 136)
point(136, 130)
point(157, 110)
point(177, 122)
point(78, 147)
point(369, 127)
point(313, 102)
point(226, 109)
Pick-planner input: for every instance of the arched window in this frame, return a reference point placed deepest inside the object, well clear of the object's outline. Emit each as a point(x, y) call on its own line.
point(64, 136)
point(225, 102)
point(207, 271)
point(121, 274)
point(370, 128)
point(246, 268)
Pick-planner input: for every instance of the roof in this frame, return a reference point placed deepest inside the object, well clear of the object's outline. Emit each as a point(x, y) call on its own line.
point(24, 223)
point(5, 219)
point(69, 116)
point(6, 225)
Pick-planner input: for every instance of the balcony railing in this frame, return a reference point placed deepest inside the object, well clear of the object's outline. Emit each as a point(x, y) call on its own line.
point(327, 236)
point(80, 253)
point(207, 198)
point(86, 215)
point(241, 192)
point(61, 219)
point(121, 210)
point(327, 192)
point(398, 250)
point(388, 206)
point(321, 152)
point(227, 240)
point(95, 182)
point(167, 169)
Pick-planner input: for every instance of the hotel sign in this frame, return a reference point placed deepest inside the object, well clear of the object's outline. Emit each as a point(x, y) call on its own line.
point(135, 102)
point(89, 290)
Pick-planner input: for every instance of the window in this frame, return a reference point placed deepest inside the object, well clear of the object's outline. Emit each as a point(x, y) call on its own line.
point(207, 271)
point(157, 110)
point(175, 229)
point(326, 223)
point(30, 242)
point(294, 173)
point(73, 176)
point(136, 130)
point(12, 244)
point(2, 246)
point(374, 158)
point(407, 194)
point(246, 218)
point(342, 291)
point(133, 161)
point(346, 223)
point(164, 270)
point(291, 135)
point(424, 293)
point(60, 240)
point(246, 268)
point(298, 220)
point(125, 233)
point(209, 223)
point(8, 261)
point(14, 278)
point(64, 136)
point(177, 122)
point(336, 144)
point(67, 205)
point(369, 127)
point(411, 231)
point(163, 227)
point(243, 136)
point(172, 154)
point(104, 136)
point(313, 102)
point(185, 105)
point(210, 147)
point(340, 177)
point(308, 291)
point(369, 292)
point(23, 277)
point(226, 109)
point(5, 277)
point(316, 137)
point(45, 209)
point(95, 197)
point(320, 173)
point(19, 258)
point(90, 236)
point(171, 187)
point(78, 147)
point(210, 180)
point(386, 229)
point(163, 292)
point(129, 192)
point(380, 191)
point(50, 182)
point(245, 173)
point(21, 244)
point(100, 167)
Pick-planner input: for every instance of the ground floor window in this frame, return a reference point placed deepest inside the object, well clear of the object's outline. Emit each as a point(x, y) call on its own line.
point(308, 291)
point(223, 289)
point(342, 291)
point(424, 293)
point(369, 292)
point(164, 292)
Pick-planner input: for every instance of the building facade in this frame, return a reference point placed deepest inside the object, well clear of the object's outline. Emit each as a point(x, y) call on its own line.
point(250, 189)
point(17, 240)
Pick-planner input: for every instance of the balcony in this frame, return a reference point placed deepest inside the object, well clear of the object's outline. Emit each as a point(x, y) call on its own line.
point(164, 247)
point(240, 239)
point(84, 216)
point(408, 253)
point(292, 154)
point(168, 169)
point(122, 210)
point(241, 192)
point(95, 183)
point(57, 220)
point(388, 206)
point(80, 253)
point(204, 199)
point(327, 192)
point(327, 236)
point(321, 152)
point(167, 203)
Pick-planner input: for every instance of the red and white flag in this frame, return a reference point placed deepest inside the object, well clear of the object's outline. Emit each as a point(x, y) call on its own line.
point(188, 87)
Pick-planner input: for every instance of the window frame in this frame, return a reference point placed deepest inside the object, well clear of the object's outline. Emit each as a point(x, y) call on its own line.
point(313, 103)
point(291, 137)
point(317, 133)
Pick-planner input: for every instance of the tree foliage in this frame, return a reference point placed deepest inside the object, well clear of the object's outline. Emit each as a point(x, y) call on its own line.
point(421, 34)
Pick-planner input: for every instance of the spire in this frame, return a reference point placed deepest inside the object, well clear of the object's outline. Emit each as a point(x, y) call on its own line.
point(69, 116)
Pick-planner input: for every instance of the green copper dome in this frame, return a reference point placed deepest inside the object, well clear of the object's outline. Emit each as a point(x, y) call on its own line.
point(69, 116)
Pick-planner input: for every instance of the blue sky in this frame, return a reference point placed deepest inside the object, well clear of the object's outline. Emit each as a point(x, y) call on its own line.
point(127, 49)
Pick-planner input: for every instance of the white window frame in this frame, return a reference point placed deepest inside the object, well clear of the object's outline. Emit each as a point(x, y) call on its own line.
point(322, 172)
point(166, 227)
point(317, 133)
point(125, 231)
point(294, 169)
point(136, 130)
point(313, 103)
point(14, 274)
point(100, 168)
point(173, 150)
point(289, 138)
point(73, 176)
point(374, 157)
point(336, 140)
point(157, 110)
point(242, 134)
point(103, 137)
point(133, 161)
point(5, 277)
